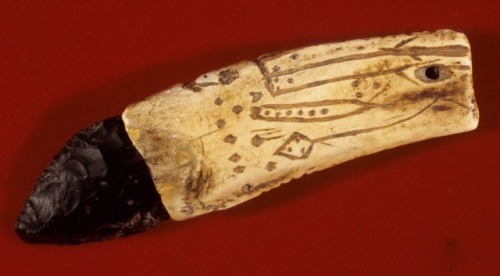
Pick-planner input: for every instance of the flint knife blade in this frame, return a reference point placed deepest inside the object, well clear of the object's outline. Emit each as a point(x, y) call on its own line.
point(237, 132)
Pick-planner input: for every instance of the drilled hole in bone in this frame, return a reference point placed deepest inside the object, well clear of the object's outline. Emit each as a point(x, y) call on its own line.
point(432, 73)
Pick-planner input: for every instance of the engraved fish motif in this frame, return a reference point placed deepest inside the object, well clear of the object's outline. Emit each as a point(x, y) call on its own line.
point(234, 133)
point(288, 112)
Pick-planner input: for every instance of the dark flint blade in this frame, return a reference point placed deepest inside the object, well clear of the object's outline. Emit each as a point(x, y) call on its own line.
point(97, 187)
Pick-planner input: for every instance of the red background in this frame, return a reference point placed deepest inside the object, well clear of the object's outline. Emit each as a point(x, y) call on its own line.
point(431, 208)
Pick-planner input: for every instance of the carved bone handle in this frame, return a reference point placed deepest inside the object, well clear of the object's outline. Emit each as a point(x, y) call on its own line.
point(234, 133)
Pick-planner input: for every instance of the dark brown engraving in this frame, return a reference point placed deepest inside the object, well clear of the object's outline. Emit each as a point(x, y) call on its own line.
point(200, 185)
point(239, 169)
point(435, 94)
point(237, 109)
point(235, 157)
point(230, 139)
point(414, 52)
point(312, 109)
point(297, 146)
point(415, 67)
point(266, 184)
point(257, 140)
point(264, 129)
point(192, 86)
point(404, 42)
point(366, 130)
point(276, 91)
point(227, 76)
point(441, 108)
point(220, 123)
point(256, 96)
point(247, 188)
point(254, 112)
point(271, 166)
point(218, 101)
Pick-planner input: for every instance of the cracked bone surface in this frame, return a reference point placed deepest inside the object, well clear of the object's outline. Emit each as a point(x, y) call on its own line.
point(234, 133)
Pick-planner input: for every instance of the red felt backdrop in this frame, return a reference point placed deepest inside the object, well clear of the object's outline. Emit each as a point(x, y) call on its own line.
point(431, 208)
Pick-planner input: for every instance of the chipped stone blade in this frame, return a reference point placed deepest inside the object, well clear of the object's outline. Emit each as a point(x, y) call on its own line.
point(97, 187)
point(237, 132)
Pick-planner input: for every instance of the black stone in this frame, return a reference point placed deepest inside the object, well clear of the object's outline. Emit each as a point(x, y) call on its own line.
point(97, 187)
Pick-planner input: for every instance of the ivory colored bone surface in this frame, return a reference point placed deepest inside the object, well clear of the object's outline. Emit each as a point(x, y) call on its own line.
point(234, 133)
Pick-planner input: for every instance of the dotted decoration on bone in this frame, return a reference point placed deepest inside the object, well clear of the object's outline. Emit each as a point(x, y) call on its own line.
point(296, 113)
point(239, 169)
point(271, 166)
point(247, 188)
point(231, 139)
point(256, 96)
point(235, 157)
point(220, 123)
point(257, 140)
point(218, 101)
point(237, 109)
